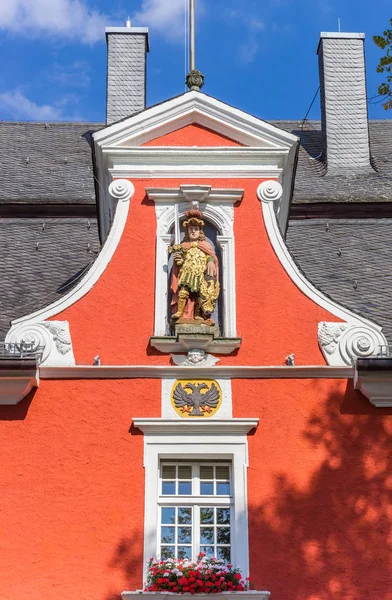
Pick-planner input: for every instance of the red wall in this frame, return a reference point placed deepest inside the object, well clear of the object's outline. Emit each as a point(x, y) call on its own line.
point(319, 480)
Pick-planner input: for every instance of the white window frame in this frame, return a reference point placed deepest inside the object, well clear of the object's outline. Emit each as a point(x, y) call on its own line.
point(226, 439)
point(195, 501)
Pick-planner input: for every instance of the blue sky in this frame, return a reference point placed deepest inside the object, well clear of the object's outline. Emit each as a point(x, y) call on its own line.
point(258, 55)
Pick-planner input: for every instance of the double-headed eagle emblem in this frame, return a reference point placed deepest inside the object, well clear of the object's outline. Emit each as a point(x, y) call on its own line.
point(196, 403)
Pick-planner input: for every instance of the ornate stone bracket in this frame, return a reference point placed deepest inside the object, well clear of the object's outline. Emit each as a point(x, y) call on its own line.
point(343, 343)
point(195, 358)
point(51, 337)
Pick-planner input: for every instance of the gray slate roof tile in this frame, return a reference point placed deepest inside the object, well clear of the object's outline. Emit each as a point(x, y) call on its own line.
point(33, 277)
point(350, 261)
point(313, 184)
point(46, 163)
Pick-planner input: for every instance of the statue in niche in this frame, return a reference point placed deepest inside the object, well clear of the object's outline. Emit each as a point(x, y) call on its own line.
point(195, 276)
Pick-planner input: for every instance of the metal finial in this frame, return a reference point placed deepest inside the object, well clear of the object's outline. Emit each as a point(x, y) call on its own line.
point(194, 79)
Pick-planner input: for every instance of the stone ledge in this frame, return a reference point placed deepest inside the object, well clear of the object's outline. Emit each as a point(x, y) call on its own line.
point(373, 377)
point(184, 342)
point(250, 595)
point(18, 376)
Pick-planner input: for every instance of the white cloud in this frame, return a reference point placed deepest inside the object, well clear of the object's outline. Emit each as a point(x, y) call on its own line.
point(72, 19)
point(74, 75)
point(15, 105)
point(165, 16)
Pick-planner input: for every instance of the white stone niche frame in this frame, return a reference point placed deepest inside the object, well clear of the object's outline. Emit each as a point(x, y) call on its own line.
point(217, 206)
point(224, 439)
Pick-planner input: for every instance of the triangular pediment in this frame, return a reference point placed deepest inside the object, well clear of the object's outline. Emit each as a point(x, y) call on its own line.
point(194, 108)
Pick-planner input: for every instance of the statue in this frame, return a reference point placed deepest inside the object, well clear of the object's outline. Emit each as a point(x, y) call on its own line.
point(195, 276)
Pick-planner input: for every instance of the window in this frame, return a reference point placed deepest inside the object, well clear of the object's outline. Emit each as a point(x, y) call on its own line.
point(195, 510)
point(202, 443)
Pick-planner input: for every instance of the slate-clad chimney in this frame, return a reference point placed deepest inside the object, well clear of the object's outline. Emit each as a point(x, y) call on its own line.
point(126, 75)
point(344, 103)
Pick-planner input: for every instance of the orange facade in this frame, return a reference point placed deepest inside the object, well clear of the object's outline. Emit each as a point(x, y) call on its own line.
point(319, 477)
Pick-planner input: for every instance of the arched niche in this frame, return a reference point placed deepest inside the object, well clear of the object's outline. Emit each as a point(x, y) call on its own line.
point(220, 214)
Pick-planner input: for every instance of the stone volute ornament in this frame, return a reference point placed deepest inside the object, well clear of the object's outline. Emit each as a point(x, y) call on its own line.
point(195, 80)
point(195, 275)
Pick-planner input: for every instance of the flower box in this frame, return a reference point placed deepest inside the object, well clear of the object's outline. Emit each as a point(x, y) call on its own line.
point(248, 595)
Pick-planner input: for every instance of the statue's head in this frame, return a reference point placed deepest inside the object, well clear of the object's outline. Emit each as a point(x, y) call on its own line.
point(194, 226)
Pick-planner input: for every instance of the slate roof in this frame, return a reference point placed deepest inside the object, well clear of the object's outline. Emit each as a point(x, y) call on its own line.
point(350, 261)
point(52, 163)
point(46, 163)
point(59, 172)
point(313, 185)
point(40, 260)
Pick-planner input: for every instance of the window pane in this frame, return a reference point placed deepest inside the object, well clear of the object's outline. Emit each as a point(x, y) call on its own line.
point(184, 515)
point(208, 551)
point(222, 473)
point(207, 535)
point(168, 488)
point(184, 552)
point(167, 535)
point(185, 472)
point(167, 552)
point(223, 516)
point(223, 489)
point(206, 489)
point(185, 488)
point(206, 472)
point(168, 472)
point(168, 515)
point(223, 535)
point(223, 553)
point(185, 535)
point(206, 515)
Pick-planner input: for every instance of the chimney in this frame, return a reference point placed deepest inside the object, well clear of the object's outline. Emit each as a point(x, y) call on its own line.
point(344, 103)
point(126, 75)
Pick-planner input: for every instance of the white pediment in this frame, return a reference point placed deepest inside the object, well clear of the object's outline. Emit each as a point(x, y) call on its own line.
point(263, 151)
point(194, 108)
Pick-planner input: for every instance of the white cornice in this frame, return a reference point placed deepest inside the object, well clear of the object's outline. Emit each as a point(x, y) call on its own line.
point(191, 192)
point(159, 372)
point(199, 426)
point(195, 107)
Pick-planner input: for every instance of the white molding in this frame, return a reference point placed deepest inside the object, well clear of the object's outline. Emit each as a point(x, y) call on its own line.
point(342, 343)
point(197, 439)
point(218, 428)
point(233, 372)
point(95, 271)
point(265, 151)
point(16, 384)
point(195, 107)
point(225, 411)
point(52, 336)
point(376, 386)
point(299, 278)
point(220, 212)
point(194, 192)
point(249, 595)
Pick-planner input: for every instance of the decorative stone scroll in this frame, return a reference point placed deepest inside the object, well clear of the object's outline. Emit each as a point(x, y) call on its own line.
point(52, 340)
point(269, 191)
point(342, 343)
point(121, 189)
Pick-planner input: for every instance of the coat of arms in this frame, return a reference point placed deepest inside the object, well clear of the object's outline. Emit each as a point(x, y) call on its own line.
point(196, 398)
